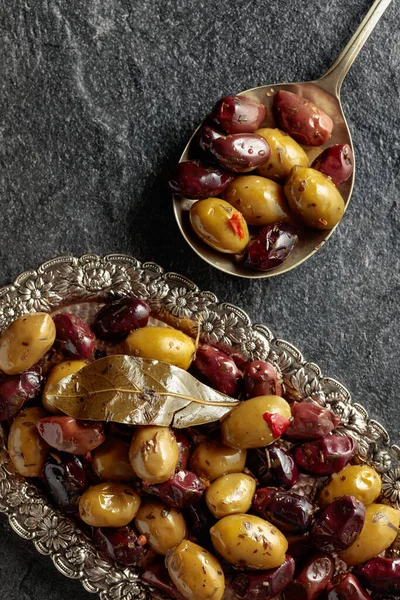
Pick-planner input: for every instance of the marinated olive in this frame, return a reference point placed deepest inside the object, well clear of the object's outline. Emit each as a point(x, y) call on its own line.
point(335, 162)
point(310, 422)
point(111, 461)
point(256, 422)
point(66, 479)
point(230, 494)
point(25, 342)
point(300, 118)
point(250, 585)
point(156, 575)
point(58, 372)
point(74, 335)
point(285, 154)
point(360, 481)
point(314, 198)
point(260, 200)
point(212, 459)
point(282, 465)
point(122, 544)
point(27, 450)
point(15, 390)
point(197, 180)
point(299, 544)
point(379, 531)
point(196, 572)
point(70, 435)
point(219, 225)
point(327, 455)
point(217, 369)
point(205, 137)
point(163, 526)
point(345, 587)
point(154, 453)
point(238, 114)
point(339, 525)
point(260, 545)
point(260, 379)
point(114, 321)
point(200, 520)
point(312, 579)
point(161, 343)
point(109, 505)
point(184, 488)
point(286, 510)
point(381, 575)
point(272, 247)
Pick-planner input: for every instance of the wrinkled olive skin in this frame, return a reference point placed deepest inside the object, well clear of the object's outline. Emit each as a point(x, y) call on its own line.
point(197, 180)
point(264, 585)
point(310, 422)
point(158, 577)
point(327, 455)
point(245, 426)
point(339, 525)
point(312, 579)
point(161, 343)
point(286, 510)
point(109, 504)
point(217, 369)
point(16, 390)
point(219, 225)
point(313, 198)
point(301, 119)
point(262, 545)
point(111, 461)
point(282, 466)
point(114, 321)
point(154, 453)
point(238, 114)
point(71, 435)
point(163, 526)
point(285, 154)
point(378, 533)
point(122, 544)
point(260, 200)
point(261, 379)
point(272, 247)
point(196, 573)
point(74, 336)
point(360, 481)
point(27, 450)
point(345, 587)
point(66, 480)
point(212, 459)
point(184, 488)
point(58, 372)
point(25, 342)
point(230, 494)
point(381, 575)
point(336, 162)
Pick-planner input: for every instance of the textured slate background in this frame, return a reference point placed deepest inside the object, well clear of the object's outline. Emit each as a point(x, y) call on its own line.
point(98, 99)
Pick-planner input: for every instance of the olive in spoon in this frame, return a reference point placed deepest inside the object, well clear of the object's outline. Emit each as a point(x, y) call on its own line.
point(325, 94)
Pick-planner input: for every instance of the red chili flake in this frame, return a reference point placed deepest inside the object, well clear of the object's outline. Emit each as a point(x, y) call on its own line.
point(236, 223)
point(277, 423)
point(142, 540)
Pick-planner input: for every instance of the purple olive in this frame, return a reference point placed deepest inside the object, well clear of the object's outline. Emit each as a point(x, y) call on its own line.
point(217, 369)
point(158, 577)
point(272, 247)
point(67, 434)
point(257, 462)
point(310, 422)
point(261, 379)
point(282, 465)
point(15, 390)
point(327, 455)
point(345, 587)
point(115, 321)
point(184, 449)
point(312, 579)
point(66, 479)
point(238, 358)
point(250, 585)
point(196, 180)
point(339, 525)
point(287, 510)
point(199, 520)
point(381, 575)
point(238, 114)
point(205, 137)
point(122, 544)
point(299, 544)
point(184, 488)
point(335, 162)
point(74, 336)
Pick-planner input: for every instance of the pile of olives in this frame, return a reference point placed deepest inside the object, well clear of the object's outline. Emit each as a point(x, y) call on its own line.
point(259, 215)
point(214, 511)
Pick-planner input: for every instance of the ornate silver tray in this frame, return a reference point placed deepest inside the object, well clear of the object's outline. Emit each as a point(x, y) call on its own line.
point(78, 281)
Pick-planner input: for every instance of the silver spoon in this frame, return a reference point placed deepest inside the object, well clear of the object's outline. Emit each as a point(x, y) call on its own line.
point(325, 93)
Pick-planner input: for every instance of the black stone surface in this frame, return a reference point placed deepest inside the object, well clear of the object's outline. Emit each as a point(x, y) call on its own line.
point(98, 99)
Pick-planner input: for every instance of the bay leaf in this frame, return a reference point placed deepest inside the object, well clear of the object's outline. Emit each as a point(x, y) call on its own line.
point(138, 391)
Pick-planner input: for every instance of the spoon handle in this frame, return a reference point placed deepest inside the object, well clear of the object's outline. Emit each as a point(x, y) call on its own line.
point(332, 80)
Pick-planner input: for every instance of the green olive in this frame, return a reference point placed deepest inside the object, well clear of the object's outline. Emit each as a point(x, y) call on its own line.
point(285, 154)
point(161, 343)
point(111, 461)
point(25, 342)
point(211, 459)
point(246, 427)
point(27, 449)
point(163, 526)
point(195, 572)
point(360, 481)
point(248, 541)
point(219, 225)
point(314, 198)
point(58, 372)
point(230, 494)
point(109, 504)
point(154, 453)
point(260, 200)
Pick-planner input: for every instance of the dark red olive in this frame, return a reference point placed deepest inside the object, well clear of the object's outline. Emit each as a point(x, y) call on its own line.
point(205, 137)
point(312, 579)
point(157, 576)
point(184, 449)
point(345, 587)
point(184, 488)
point(261, 379)
point(121, 430)
point(310, 422)
point(238, 114)
point(380, 575)
point(253, 585)
point(327, 455)
point(70, 435)
point(199, 521)
point(217, 369)
point(236, 356)
point(335, 162)
point(122, 544)
point(257, 462)
point(15, 390)
point(74, 336)
point(339, 525)
point(66, 479)
point(299, 544)
point(282, 465)
point(287, 510)
point(196, 180)
point(272, 247)
point(114, 321)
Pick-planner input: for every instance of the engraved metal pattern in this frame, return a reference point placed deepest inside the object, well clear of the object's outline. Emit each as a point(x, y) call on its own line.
point(68, 280)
